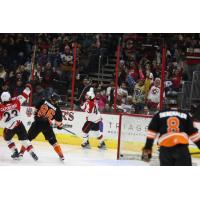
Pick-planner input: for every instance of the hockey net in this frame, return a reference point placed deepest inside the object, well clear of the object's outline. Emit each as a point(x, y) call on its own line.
point(132, 136)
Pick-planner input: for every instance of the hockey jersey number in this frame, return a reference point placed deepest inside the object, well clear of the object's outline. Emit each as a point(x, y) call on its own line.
point(46, 112)
point(173, 124)
point(10, 114)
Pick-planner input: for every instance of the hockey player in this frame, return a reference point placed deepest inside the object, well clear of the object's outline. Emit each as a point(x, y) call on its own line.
point(46, 112)
point(10, 115)
point(93, 120)
point(175, 128)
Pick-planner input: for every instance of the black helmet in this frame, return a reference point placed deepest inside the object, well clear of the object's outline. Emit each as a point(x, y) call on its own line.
point(55, 97)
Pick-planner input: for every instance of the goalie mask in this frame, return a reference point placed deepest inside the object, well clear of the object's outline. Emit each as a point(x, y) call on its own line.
point(5, 97)
point(90, 94)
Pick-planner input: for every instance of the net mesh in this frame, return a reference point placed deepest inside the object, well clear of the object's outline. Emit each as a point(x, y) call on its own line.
point(132, 136)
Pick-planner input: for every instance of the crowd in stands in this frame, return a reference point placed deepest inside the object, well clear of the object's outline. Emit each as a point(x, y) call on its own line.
point(51, 56)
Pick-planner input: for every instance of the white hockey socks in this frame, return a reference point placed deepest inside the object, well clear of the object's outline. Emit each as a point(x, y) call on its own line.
point(11, 146)
point(85, 137)
point(100, 137)
point(27, 144)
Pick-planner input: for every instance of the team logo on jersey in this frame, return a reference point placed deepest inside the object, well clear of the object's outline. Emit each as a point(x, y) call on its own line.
point(29, 111)
point(155, 91)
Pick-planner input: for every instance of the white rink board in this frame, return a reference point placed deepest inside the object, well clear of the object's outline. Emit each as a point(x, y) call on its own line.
point(133, 127)
point(73, 121)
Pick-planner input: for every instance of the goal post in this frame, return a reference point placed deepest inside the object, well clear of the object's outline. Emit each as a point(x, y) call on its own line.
point(132, 135)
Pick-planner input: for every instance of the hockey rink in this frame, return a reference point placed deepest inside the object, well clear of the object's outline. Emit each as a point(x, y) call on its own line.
point(74, 156)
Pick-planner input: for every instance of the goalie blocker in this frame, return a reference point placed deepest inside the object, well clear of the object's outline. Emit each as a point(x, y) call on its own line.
point(173, 128)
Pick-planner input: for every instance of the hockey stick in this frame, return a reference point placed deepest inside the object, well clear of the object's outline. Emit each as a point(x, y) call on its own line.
point(70, 132)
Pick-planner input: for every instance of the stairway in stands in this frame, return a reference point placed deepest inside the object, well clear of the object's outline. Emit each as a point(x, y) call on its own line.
point(106, 75)
point(107, 71)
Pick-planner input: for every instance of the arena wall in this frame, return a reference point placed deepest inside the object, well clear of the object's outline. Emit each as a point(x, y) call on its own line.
point(74, 120)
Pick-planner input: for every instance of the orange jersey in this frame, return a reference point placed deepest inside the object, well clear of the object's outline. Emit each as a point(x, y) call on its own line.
point(172, 127)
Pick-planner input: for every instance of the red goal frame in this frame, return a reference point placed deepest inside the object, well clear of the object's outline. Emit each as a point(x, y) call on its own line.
point(119, 129)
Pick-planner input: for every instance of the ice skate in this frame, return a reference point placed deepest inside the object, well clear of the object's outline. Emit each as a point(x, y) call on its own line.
point(102, 145)
point(62, 158)
point(15, 155)
point(34, 156)
point(86, 145)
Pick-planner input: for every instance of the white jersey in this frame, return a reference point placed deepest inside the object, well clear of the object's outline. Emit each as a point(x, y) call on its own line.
point(154, 94)
point(10, 111)
point(92, 110)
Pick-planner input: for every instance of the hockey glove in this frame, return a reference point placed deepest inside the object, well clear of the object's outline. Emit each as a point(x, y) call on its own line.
point(146, 154)
point(28, 85)
point(59, 127)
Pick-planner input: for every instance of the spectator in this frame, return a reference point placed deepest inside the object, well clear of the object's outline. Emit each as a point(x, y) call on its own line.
point(148, 82)
point(48, 75)
point(139, 96)
point(128, 105)
point(5, 88)
point(18, 89)
point(54, 52)
point(123, 92)
point(3, 75)
point(83, 88)
point(110, 94)
point(66, 59)
point(176, 79)
point(101, 100)
point(38, 94)
point(153, 98)
point(43, 58)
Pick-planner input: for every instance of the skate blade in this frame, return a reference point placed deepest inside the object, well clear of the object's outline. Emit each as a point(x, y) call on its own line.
point(86, 147)
point(102, 148)
point(18, 159)
point(36, 160)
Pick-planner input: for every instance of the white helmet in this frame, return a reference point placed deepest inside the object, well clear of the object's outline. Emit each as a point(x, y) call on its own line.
point(90, 93)
point(5, 96)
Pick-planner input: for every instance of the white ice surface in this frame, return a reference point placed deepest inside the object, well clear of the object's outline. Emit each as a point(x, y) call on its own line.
point(74, 156)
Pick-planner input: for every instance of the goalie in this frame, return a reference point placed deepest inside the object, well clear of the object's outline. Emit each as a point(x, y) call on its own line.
point(93, 120)
point(175, 128)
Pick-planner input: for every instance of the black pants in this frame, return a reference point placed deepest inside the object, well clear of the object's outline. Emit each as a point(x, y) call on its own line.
point(44, 127)
point(20, 131)
point(90, 126)
point(175, 156)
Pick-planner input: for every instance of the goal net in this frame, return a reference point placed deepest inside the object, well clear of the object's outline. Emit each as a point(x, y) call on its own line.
point(132, 135)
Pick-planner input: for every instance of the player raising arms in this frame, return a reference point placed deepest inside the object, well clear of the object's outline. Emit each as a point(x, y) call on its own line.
point(93, 120)
point(175, 128)
point(46, 112)
point(10, 115)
